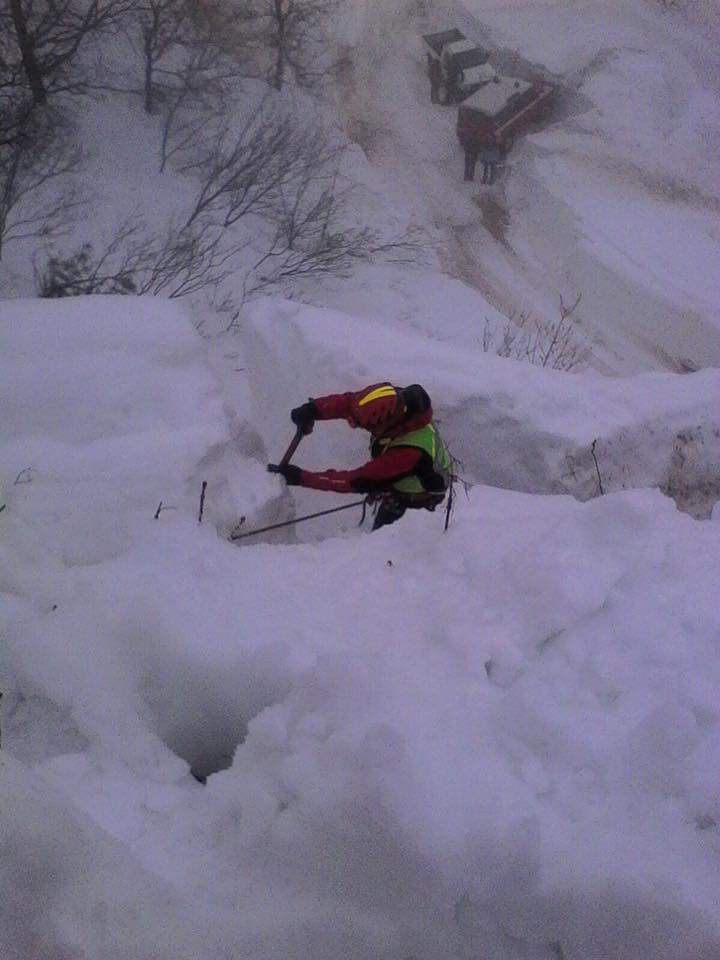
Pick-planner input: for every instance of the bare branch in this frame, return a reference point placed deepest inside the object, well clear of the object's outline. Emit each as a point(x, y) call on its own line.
point(183, 261)
point(48, 34)
point(246, 172)
point(545, 343)
point(194, 97)
point(33, 167)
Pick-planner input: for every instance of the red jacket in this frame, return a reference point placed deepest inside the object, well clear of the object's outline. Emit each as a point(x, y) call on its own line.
point(380, 472)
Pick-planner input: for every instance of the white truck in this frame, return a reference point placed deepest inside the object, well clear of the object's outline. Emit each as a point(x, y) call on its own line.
point(456, 66)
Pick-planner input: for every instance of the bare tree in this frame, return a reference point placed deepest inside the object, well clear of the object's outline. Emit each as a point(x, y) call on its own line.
point(294, 32)
point(34, 201)
point(48, 35)
point(28, 53)
point(15, 102)
point(160, 25)
point(185, 75)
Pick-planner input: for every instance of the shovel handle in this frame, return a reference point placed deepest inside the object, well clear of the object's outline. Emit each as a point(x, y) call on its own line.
point(294, 443)
point(287, 456)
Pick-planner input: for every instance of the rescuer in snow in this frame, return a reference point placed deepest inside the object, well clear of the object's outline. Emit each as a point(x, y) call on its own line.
point(409, 468)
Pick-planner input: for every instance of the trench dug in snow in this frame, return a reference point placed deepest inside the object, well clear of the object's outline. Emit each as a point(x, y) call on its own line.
point(495, 447)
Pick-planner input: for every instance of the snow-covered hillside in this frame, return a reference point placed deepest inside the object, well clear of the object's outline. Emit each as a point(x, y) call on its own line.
point(499, 741)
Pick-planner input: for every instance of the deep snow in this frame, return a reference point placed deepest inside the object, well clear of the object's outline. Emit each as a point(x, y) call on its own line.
point(494, 743)
point(499, 741)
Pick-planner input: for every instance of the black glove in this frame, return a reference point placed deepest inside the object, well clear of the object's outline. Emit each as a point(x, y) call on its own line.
point(289, 471)
point(304, 417)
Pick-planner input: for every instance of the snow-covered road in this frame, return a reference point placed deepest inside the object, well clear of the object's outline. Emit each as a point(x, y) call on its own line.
point(558, 225)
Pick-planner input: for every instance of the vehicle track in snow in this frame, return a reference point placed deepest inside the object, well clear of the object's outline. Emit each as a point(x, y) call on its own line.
point(496, 239)
point(385, 109)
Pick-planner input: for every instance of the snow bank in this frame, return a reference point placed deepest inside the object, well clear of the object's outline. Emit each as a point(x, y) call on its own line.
point(93, 409)
point(67, 890)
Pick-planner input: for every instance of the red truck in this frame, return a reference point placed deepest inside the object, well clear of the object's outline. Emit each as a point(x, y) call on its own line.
point(490, 119)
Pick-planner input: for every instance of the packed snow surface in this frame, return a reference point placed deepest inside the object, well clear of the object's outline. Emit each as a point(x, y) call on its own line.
point(498, 741)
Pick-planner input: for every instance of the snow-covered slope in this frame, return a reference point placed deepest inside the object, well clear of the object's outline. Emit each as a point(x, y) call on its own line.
point(498, 741)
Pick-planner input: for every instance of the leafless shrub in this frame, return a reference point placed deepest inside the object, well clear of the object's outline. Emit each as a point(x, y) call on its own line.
point(545, 343)
point(312, 239)
point(246, 171)
point(80, 273)
point(195, 257)
point(287, 176)
point(34, 201)
point(176, 264)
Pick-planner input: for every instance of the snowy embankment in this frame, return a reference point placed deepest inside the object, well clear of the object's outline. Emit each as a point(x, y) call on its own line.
point(497, 742)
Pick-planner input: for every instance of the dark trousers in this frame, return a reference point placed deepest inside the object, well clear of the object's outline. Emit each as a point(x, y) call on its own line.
point(393, 507)
point(389, 511)
point(488, 171)
point(470, 161)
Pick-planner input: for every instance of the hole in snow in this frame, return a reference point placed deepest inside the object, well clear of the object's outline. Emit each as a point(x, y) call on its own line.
point(209, 743)
point(206, 725)
point(202, 714)
point(202, 767)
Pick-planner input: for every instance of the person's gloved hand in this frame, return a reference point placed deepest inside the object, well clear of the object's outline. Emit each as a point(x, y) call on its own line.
point(304, 416)
point(288, 471)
